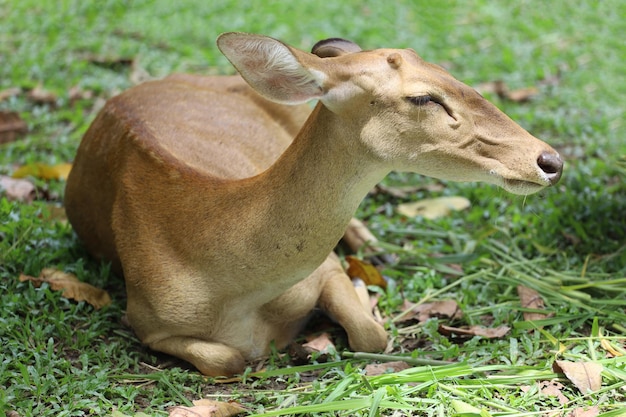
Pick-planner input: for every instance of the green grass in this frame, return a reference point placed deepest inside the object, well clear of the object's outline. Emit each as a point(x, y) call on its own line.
point(569, 243)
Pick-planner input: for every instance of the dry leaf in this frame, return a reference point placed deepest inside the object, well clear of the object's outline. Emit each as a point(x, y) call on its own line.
point(500, 88)
point(553, 389)
point(365, 271)
point(487, 332)
point(40, 96)
point(374, 369)
point(445, 308)
point(70, 285)
point(9, 92)
point(17, 189)
point(432, 208)
point(522, 95)
point(44, 171)
point(357, 235)
point(76, 93)
point(207, 408)
point(320, 343)
point(611, 350)
point(586, 376)
point(592, 411)
point(531, 299)
point(11, 126)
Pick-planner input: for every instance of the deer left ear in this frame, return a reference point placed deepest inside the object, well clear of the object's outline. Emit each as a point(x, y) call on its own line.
point(272, 68)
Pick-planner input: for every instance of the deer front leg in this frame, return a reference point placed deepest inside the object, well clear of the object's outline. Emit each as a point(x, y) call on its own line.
point(211, 359)
point(340, 301)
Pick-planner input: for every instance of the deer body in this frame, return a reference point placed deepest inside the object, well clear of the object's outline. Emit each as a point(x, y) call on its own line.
point(222, 225)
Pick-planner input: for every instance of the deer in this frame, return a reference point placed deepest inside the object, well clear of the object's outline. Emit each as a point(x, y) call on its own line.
point(220, 199)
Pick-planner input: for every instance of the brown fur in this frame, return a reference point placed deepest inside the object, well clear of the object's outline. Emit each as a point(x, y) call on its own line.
point(222, 225)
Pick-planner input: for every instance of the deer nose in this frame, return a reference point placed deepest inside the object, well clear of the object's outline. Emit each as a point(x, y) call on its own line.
point(552, 165)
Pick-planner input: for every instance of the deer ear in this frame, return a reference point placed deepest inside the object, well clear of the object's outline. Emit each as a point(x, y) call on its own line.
point(332, 47)
point(272, 68)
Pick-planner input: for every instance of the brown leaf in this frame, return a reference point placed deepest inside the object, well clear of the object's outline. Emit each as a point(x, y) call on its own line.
point(374, 369)
point(207, 408)
point(609, 348)
point(366, 271)
point(76, 93)
point(44, 171)
point(487, 332)
point(422, 312)
point(320, 343)
point(39, 95)
point(586, 376)
point(357, 236)
point(9, 92)
point(11, 126)
point(500, 88)
point(433, 208)
point(531, 299)
point(522, 95)
point(554, 389)
point(70, 285)
point(17, 189)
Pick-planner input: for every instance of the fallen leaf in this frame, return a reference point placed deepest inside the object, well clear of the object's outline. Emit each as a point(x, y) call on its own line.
point(531, 299)
point(10, 92)
point(487, 332)
point(44, 171)
point(365, 271)
point(76, 93)
point(318, 346)
point(500, 88)
point(320, 343)
point(70, 285)
point(592, 411)
point(39, 95)
point(374, 369)
point(433, 208)
point(586, 376)
point(207, 408)
point(11, 126)
point(357, 236)
point(17, 189)
point(522, 95)
point(445, 308)
point(553, 389)
point(611, 350)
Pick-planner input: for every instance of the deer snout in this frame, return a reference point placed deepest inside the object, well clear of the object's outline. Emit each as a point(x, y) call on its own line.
point(552, 166)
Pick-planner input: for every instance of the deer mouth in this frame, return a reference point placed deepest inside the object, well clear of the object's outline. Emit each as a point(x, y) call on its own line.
point(521, 187)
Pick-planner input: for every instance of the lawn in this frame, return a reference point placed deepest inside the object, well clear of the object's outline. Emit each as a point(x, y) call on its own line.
point(59, 62)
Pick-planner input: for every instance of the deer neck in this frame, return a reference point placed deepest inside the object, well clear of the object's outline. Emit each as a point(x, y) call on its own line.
point(307, 198)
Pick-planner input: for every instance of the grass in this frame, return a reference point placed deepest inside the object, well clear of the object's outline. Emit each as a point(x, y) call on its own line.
point(568, 243)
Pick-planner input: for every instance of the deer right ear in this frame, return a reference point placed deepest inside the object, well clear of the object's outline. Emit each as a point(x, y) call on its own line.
point(332, 47)
point(272, 68)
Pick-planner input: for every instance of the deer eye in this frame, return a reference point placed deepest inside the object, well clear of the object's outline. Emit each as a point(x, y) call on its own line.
point(422, 100)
